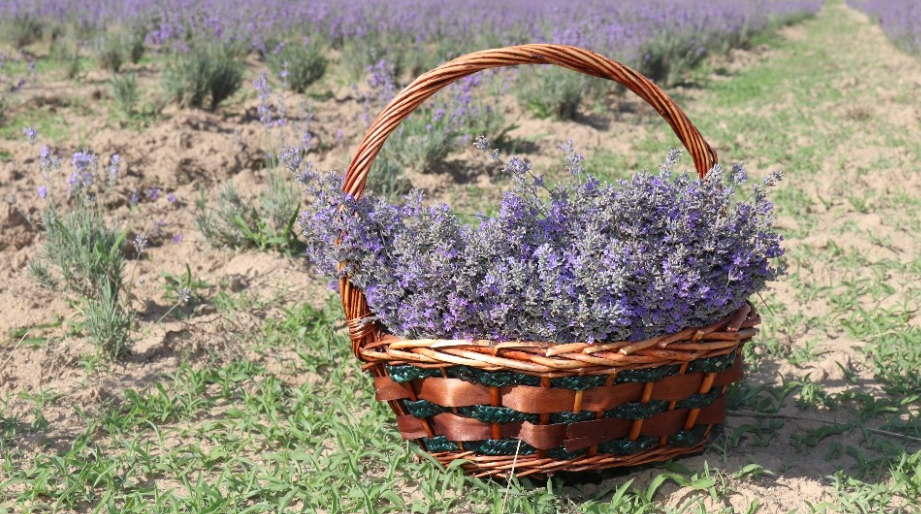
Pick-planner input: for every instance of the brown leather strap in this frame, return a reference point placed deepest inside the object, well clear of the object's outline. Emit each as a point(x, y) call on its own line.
point(459, 428)
point(676, 387)
point(714, 413)
point(543, 437)
point(454, 392)
point(605, 398)
point(385, 389)
point(589, 433)
point(731, 375)
point(538, 400)
point(665, 423)
point(410, 427)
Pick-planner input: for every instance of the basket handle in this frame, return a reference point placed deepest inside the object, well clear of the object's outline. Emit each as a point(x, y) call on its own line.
point(578, 59)
point(427, 84)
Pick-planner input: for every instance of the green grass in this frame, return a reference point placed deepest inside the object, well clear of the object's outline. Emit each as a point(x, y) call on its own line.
point(50, 124)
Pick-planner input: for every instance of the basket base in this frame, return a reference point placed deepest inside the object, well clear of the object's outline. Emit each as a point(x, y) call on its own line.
point(504, 466)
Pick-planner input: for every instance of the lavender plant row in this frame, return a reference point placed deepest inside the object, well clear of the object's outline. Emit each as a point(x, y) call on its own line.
point(582, 261)
point(635, 31)
point(901, 19)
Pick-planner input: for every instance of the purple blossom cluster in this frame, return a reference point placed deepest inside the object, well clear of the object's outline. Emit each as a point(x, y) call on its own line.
point(270, 116)
point(88, 181)
point(901, 19)
point(580, 261)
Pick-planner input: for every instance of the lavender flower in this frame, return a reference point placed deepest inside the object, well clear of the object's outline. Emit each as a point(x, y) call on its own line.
point(84, 171)
point(264, 92)
point(573, 159)
point(291, 157)
point(773, 178)
point(738, 175)
point(140, 244)
point(584, 261)
point(112, 169)
point(153, 193)
point(31, 134)
point(517, 167)
point(42, 192)
point(157, 230)
point(171, 197)
point(177, 238)
point(48, 163)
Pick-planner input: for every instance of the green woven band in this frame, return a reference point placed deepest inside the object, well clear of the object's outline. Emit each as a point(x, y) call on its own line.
point(712, 364)
point(511, 446)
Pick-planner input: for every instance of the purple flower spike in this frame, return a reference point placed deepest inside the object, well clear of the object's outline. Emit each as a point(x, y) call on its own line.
point(31, 134)
point(584, 261)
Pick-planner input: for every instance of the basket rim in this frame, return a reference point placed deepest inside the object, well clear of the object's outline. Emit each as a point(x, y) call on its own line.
point(547, 359)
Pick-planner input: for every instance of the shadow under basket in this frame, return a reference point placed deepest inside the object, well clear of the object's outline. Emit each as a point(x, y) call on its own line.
point(536, 408)
point(531, 408)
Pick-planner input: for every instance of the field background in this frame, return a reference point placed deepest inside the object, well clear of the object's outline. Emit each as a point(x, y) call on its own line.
point(252, 402)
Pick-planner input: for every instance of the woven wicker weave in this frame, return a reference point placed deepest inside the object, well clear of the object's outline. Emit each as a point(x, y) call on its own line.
point(535, 408)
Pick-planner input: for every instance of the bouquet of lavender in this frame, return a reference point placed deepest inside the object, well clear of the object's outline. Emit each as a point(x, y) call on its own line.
point(579, 262)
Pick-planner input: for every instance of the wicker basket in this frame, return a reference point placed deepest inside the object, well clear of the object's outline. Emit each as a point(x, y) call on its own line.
point(535, 408)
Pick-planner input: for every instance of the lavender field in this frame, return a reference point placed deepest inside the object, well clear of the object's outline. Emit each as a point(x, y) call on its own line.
point(901, 19)
point(170, 343)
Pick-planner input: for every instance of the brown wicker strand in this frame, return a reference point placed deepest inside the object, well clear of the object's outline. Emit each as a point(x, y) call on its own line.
point(717, 341)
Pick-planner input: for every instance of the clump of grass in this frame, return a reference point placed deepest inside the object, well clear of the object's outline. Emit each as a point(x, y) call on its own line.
point(82, 251)
point(108, 322)
point(135, 46)
point(66, 52)
point(359, 54)
point(211, 73)
point(124, 89)
point(183, 290)
point(85, 255)
point(266, 225)
point(23, 30)
point(299, 65)
point(669, 57)
point(109, 52)
point(388, 178)
point(39, 273)
point(552, 92)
